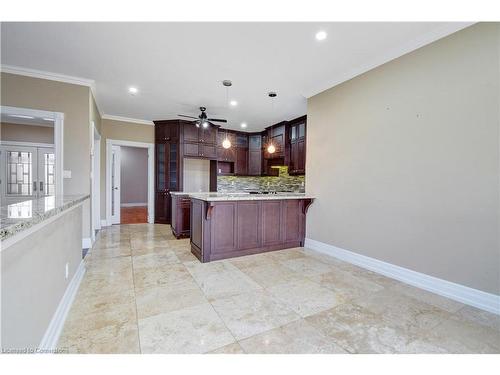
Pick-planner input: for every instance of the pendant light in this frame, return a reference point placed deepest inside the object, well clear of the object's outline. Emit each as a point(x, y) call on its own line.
point(271, 149)
point(226, 143)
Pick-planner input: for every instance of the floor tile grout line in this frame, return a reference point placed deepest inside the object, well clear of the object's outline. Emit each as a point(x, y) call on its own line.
point(213, 308)
point(135, 299)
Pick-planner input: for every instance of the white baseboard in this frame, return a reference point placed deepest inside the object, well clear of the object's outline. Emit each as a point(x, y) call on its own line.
point(133, 204)
point(51, 336)
point(86, 243)
point(461, 293)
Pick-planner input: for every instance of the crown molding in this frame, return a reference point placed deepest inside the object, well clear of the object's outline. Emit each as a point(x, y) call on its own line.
point(126, 119)
point(428, 38)
point(48, 75)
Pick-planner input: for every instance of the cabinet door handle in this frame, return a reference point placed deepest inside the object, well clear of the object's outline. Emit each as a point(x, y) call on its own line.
point(41, 185)
point(34, 185)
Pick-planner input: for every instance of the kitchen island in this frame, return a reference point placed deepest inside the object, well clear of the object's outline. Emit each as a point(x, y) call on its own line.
point(231, 225)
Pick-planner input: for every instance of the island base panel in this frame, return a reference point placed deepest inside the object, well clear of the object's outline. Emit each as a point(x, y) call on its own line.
point(229, 229)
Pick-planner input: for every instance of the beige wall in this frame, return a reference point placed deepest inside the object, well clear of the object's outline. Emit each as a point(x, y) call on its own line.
point(33, 279)
point(123, 131)
point(73, 101)
point(196, 175)
point(404, 161)
point(26, 133)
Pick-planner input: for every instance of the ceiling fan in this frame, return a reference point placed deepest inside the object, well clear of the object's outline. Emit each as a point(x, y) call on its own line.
point(203, 120)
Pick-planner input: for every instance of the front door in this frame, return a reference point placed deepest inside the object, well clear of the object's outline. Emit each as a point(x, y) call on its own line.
point(115, 185)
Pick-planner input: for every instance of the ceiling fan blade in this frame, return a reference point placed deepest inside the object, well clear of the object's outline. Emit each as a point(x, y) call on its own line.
point(216, 119)
point(188, 116)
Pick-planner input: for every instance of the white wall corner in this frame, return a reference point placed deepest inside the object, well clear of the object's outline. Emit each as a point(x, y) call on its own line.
point(86, 243)
point(461, 293)
point(51, 336)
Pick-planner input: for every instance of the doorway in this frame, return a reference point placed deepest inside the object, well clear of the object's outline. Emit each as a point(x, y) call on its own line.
point(129, 182)
point(30, 154)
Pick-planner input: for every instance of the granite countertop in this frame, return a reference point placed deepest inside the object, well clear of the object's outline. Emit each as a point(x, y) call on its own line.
point(17, 215)
point(202, 193)
point(215, 197)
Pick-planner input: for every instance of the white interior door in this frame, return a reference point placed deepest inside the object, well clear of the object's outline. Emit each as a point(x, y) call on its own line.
point(115, 185)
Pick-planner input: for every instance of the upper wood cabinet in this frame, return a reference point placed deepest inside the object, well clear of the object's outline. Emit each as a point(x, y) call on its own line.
point(167, 131)
point(199, 142)
point(276, 135)
point(199, 135)
point(255, 155)
point(191, 133)
point(241, 166)
point(297, 146)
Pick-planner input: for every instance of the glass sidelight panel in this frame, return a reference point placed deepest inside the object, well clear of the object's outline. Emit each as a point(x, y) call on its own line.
point(50, 184)
point(46, 172)
point(19, 173)
point(173, 167)
point(160, 167)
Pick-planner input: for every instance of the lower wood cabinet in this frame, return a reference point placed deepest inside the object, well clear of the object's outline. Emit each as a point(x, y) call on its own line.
point(226, 229)
point(162, 207)
point(181, 213)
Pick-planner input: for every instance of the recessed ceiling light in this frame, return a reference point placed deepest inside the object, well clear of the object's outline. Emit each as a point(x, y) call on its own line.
point(234, 103)
point(48, 119)
point(321, 35)
point(22, 116)
point(243, 124)
point(133, 90)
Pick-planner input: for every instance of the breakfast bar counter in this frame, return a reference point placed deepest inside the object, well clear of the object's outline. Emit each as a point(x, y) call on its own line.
point(231, 225)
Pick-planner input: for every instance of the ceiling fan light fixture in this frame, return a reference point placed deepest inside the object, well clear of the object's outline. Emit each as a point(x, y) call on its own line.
point(204, 124)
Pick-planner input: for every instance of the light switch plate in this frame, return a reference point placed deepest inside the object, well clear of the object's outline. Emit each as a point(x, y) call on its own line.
point(67, 174)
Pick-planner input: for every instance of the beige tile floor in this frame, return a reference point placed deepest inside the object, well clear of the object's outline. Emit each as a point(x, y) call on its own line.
point(144, 292)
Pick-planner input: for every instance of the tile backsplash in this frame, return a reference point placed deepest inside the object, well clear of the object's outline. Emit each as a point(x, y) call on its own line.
point(283, 182)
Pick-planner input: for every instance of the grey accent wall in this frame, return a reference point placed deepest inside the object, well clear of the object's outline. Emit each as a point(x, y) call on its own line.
point(33, 279)
point(134, 175)
point(404, 160)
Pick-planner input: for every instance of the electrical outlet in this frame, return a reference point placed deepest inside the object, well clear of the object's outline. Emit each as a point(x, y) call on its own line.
point(67, 271)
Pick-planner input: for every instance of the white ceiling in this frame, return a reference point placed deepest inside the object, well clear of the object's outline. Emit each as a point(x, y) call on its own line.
point(178, 67)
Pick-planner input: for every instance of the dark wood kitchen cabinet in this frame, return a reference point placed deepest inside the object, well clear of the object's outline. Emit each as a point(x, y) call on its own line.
point(199, 142)
point(181, 207)
point(255, 155)
point(297, 146)
point(241, 166)
point(276, 135)
point(168, 168)
point(233, 228)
